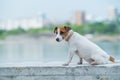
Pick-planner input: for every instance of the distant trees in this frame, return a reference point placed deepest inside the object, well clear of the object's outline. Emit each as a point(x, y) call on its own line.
point(109, 28)
point(97, 28)
point(18, 30)
point(4, 33)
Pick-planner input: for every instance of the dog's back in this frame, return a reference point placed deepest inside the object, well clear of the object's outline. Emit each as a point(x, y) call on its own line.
point(89, 50)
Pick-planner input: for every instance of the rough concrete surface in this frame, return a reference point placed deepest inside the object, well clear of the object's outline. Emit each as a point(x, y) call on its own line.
point(58, 72)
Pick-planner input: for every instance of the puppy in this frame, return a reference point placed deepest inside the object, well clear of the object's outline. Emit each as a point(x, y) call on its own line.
point(82, 47)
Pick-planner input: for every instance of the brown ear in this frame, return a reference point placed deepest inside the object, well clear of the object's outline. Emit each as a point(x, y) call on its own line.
point(67, 28)
point(55, 29)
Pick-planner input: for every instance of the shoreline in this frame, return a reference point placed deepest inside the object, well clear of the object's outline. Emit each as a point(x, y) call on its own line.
point(49, 36)
point(106, 38)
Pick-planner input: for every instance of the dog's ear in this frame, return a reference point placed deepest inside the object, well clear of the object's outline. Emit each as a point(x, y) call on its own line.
point(67, 28)
point(55, 29)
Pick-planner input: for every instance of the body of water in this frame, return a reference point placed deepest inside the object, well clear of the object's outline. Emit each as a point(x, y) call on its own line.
point(46, 51)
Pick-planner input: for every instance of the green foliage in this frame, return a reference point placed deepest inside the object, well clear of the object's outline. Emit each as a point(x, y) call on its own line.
point(4, 33)
point(109, 28)
point(19, 30)
point(39, 30)
point(97, 28)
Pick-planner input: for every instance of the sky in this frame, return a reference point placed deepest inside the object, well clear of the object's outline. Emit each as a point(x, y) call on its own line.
point(54, 9)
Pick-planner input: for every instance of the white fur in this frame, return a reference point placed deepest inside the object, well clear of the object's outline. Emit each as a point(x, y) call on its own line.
point(85, 49)
point(58, 35)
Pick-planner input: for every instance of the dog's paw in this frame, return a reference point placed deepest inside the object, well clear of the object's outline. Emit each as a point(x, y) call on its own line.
point(65, 64)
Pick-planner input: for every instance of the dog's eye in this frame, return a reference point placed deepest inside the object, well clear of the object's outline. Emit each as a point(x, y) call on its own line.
point(61, 32)
point(56, 32)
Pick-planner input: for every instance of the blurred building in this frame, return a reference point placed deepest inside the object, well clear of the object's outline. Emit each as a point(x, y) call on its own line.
point(25, 23)
point(79, 17)
point(112, 13)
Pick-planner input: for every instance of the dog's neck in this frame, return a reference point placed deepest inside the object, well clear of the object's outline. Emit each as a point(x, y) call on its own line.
point(70, 33)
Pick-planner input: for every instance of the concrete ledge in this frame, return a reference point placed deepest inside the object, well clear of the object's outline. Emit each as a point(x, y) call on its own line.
point(57, 72)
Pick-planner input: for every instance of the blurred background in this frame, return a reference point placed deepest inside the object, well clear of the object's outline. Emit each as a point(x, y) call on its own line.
point(26, 28)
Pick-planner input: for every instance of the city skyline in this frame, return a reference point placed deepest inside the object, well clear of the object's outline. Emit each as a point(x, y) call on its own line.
point(78, 17)
point(54, 9)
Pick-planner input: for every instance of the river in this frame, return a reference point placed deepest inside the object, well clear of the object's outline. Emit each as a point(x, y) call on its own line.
point(46, 51)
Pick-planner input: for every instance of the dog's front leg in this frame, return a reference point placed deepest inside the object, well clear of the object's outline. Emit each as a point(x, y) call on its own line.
point(80, 62)
point(69, 59)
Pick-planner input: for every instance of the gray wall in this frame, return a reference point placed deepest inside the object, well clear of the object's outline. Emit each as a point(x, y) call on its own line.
point(82, 72)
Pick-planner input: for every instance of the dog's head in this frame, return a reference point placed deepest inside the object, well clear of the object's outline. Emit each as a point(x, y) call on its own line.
point(61, 32)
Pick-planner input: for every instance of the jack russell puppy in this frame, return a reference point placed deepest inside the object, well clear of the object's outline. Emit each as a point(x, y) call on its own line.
point(82, 47)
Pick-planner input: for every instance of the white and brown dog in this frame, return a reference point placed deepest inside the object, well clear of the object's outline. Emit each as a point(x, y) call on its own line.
point(81, 46)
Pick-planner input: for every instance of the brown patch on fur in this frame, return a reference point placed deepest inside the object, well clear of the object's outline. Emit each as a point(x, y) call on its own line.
point(65, 30)
point(62, 28)
point(112, 59)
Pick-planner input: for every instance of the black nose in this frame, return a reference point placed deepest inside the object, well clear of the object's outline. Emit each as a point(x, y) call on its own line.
point(57, 39)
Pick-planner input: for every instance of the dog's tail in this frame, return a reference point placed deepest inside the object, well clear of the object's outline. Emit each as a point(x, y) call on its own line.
point(112, 59)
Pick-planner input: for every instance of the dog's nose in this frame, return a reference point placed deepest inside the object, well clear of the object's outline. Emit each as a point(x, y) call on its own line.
point(57, 39)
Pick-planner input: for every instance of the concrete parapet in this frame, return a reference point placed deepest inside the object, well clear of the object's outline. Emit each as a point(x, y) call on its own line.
point(57, 72)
